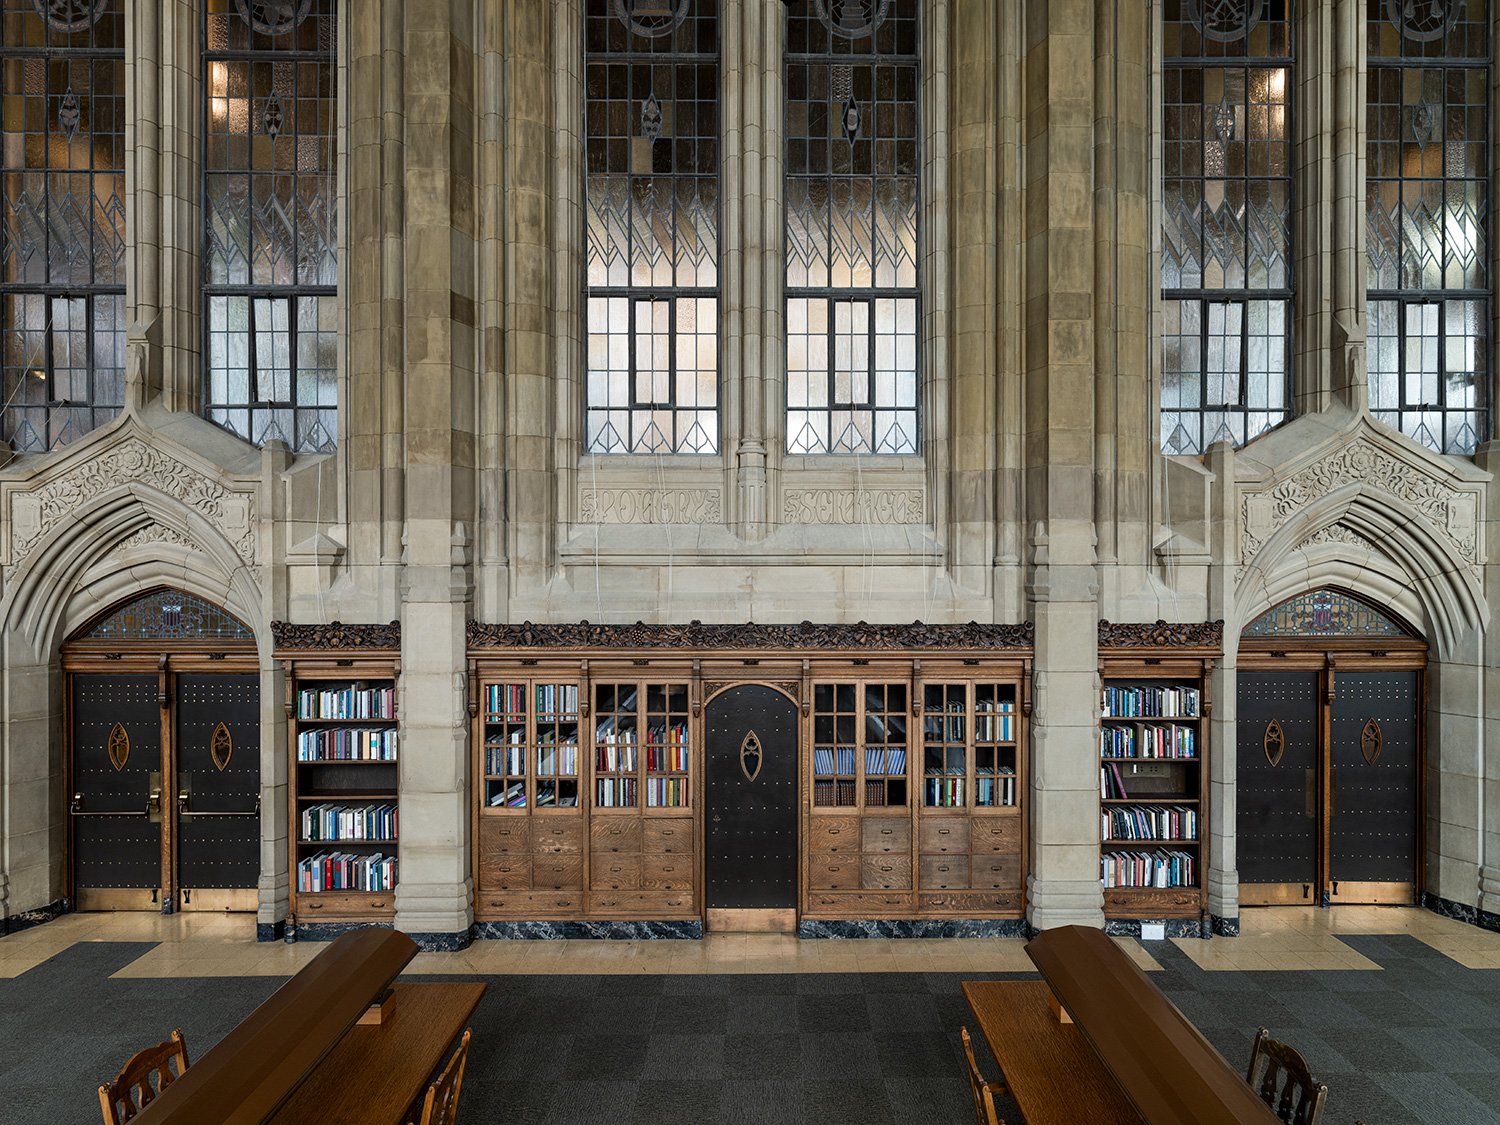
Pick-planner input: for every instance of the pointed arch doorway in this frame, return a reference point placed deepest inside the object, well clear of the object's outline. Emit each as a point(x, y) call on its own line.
point(162, 728)
point(1330, 754)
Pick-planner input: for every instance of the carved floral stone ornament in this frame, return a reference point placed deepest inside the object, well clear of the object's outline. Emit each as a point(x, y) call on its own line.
point(852, 19)
point(286, 635)
point(751, 756)
point(118, 747)
point(1423, 20)
point(695, 634)
point(1161, 634)
point(1225, 21)
point(1274, 742)
point(221, 747)
point(273, 17)
point(1371, 741)
point(652, 18)
point(70, 15)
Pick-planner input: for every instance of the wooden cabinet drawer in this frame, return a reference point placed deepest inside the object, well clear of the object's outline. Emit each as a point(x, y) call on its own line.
point(632, 903)
point(504, 873)
point(838, 835)
point(890, 905)
point(505, 835)
point(833, 872)
point(886, 835)
point(541, 905)
point(557, 836)
point(944, 872)
point(557, 873)
point(885, 873)
point(948, 835)
point(667, 873)
point(340, 904)
point(668, 836)
point(995, 872)
point(970, 905)
point(1152, 902)
point(996, 835)
point(615, 873)
point(619, 834)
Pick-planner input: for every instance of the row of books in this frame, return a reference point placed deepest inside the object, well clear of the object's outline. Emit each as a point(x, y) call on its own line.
point(994, 721)
point(992, 791)
point(1149, 822)
point(549, 794)
point(565, 735)
point(615, 759)
point(349, 822)
point(1148, 869)
point(1151, 702)
point(551, 699)
point(666, 792)
point(616, 793)
point(943, 792)
point(551, 761)
point(833, 759)
point(340, 871)
point(667, 759)
point(347, 703)
point(347, 744)
point(834, 793)
point(511, 796)
point(885, 759)
point(1140, 740)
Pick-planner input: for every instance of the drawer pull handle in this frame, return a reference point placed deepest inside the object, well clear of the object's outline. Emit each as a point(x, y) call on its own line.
point(315, 906)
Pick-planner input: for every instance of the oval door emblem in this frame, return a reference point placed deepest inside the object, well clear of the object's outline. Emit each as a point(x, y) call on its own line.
point(750, 755)
point(1371, 741)
point(1275, 742)
point(221, 747)
point(118, 746)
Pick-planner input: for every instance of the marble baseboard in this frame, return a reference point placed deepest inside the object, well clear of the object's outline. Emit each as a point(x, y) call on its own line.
point(606, 931)
point(1225, 927)
point(444, 943)
point(270, 931)
point(27, 919)
point(1461, 912)
point(328, 931)
point(1173, 927)
point(912, 928)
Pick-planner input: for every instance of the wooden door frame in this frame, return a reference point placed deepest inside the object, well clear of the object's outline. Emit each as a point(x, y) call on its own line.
point(1328, 656)
point(166, 660)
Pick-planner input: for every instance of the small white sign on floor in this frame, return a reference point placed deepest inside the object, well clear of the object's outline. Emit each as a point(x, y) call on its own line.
point(1153, 931)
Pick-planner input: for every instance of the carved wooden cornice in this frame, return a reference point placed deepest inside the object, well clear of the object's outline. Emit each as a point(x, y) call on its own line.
point(697, 635)
point(1161, 634)
point(336, 635)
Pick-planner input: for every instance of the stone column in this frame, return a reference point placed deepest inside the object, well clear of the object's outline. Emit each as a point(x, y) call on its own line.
point(1486, 692)
point(32, 810)
point(1223, 751)
point(1348, 268)
point(1058, 448)
point(433, 896)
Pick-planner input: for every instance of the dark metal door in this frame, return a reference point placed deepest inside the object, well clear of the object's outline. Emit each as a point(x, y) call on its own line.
point(218, 782)
point(751, 805)
point(115, 806)
point(1278, 731)
point(1374, 787)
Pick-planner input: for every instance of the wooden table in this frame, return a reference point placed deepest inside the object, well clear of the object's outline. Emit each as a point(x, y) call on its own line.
point(1053, 1074)
point(374, 1073)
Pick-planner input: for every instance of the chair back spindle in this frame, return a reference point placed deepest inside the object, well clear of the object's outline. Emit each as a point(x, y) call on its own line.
point(441, 1106)
point(1284, 1081)
point(145, 1076)
point(982, 1092)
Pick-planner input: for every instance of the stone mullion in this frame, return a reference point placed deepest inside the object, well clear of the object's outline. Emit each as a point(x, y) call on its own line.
point(1314, 237)
point(1064, 882)
point(1349, 265)
point(935, 246)
point(1007, 503)
point(772, 240)
point(433, 895)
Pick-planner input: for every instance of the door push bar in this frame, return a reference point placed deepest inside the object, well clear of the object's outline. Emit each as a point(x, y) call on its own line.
point(152, 809)
point(185, 810)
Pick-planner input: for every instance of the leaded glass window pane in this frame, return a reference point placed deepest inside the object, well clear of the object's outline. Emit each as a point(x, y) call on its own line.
point(270, 264)
point(1324, 613)
point(62, 219)
point(1226, 263)
point(852, 198)
point(168, 614)
point(651, 149)
point(1426, 231)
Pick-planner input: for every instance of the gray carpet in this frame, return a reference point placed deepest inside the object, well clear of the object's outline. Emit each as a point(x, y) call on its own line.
point(1417, 1043)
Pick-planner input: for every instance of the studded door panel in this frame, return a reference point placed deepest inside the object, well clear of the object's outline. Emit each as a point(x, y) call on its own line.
point(218, 780)
point(1373, 825)
point(1276, 736)
point(116, 752)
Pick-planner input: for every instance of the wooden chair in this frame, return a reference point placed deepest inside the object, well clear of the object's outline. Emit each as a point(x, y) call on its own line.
point(1287, 1085)
point(981, 1091)
point(441, 1104)
point(132, 1091)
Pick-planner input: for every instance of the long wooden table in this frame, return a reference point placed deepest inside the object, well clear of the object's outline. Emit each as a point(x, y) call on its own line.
point(1053, 1074)
point(375, 1073)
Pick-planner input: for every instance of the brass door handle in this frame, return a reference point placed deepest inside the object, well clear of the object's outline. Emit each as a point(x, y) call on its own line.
point(153, 804)
point(75, 808)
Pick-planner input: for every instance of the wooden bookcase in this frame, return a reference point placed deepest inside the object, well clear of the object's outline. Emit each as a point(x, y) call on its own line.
point(343, 746)
point(914, 789)
point(1154, 767)
point(588, 790)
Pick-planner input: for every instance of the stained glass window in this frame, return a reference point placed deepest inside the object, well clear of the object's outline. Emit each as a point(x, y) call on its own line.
point(1226, 258)
point(1324, 613)
point(171, 615)
point(62, 219)
point(270, 215)
point(852, 197)
point(651, 150)
point(1427, 196)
